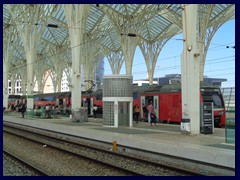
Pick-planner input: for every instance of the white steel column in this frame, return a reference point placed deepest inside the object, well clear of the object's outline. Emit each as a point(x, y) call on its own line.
point(190, 70)
point(40, 70)
point(128, 45)
point(59, 64)
point(24, 80)
point(206, 28)
point(76, 18)
point(30, 59)
point(5, 68)
point(91, 59)
point(5, 83)
point(151, 51)
point(115, 60)
point(31, 35)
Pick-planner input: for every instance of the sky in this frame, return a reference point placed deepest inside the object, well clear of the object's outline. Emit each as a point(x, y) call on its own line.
point(220, 60)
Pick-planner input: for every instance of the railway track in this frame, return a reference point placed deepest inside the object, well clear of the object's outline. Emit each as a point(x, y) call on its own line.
point(131, 166)
point(55, 156)
point(30, 166)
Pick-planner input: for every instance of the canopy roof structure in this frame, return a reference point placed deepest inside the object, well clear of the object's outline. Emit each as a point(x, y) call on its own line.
point(148, 22)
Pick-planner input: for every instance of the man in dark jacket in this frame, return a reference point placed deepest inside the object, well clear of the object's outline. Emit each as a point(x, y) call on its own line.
point(23, 109)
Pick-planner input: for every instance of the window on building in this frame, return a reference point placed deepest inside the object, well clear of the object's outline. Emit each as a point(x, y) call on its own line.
point(17, 83)
point(216, 84)
point(9, 84)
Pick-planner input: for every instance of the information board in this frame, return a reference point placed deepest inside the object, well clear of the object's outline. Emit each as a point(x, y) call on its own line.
point(207, 118)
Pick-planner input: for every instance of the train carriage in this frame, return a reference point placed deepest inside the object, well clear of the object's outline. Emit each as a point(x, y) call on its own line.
point(167, 102)
point(63, 99)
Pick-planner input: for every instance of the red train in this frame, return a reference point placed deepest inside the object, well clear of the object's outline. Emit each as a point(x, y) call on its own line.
point(166, 101)
point(16, 99)
point(63, 99)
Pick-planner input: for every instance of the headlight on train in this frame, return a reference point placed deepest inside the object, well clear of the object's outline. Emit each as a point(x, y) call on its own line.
point(220, 112)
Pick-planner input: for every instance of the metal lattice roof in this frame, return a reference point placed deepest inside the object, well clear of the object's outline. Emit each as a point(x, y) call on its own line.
point(149, 21)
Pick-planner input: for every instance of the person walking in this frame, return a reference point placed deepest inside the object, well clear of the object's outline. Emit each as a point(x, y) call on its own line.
point(150, 110)
point(136, 113)
point(153, 118)
point(23, 109)
point(95, 111)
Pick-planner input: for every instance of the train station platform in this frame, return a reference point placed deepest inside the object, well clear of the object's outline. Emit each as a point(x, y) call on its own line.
point(165, 138)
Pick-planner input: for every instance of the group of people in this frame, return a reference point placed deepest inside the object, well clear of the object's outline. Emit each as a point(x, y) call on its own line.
point(18, 108)
point(148, 114)
point(49, 108)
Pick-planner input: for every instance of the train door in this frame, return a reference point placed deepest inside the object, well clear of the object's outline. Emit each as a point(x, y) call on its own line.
point(64, 103)
point(145, 100)
point(17, 102)
point(149, 99)
point(156, 105)
point(61, 102)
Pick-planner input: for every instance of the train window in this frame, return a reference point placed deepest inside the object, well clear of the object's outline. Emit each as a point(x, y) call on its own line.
point(98, 97)
point(216, 101)
point(214, 97)
point(60, 101)
point(49, 98)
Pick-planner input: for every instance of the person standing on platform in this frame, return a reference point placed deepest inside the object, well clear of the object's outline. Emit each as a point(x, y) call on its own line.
point(150, 110)
point(58, 112)
point(136, 113)
point(47, 111)
point(23, 109)
point(153, 118)
point(95, 111)
point(145, 112)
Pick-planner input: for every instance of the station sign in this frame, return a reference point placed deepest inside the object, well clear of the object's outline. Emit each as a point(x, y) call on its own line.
point(207, 118)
